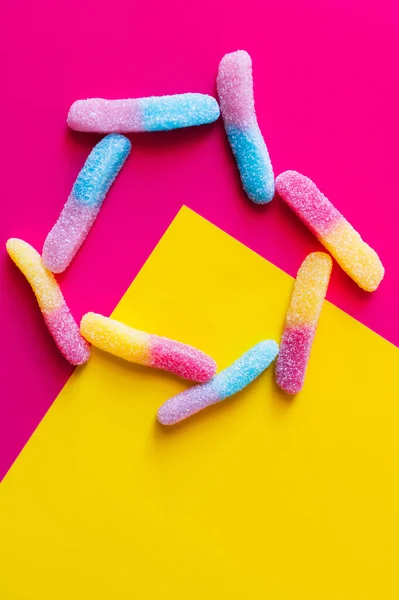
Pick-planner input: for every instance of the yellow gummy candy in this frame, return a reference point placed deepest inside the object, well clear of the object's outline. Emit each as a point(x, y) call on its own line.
point(116, 338)
point(355, 257)
point(309, 290)
point(42, 281)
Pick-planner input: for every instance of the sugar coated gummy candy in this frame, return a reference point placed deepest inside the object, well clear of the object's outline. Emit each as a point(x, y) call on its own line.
point(226, 383)
point(84, 203)
point(236, 97)
point(146, 349)
point(56, 313)
point(355, 257)
point(307, 299)
point(157, 113)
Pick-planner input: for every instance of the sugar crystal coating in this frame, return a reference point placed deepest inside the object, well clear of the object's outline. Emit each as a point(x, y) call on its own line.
point(235, 90)
point(98, 115)
point(303, 314)
point(306, 200)
point(116, 338)
point(226, 383)
point(57, 316)
point(310, 290)
point(295, 348)
point(253, 162)
point(187, 403)
point(354, 256)
point(147, 349)
point(156, 113)
point(163, 113)
point(67, 336)
point(83, 205)
point(181, 359)
point(43, 283)
point(68, 234)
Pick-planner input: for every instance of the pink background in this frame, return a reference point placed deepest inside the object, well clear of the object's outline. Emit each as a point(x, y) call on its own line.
point(327, 96)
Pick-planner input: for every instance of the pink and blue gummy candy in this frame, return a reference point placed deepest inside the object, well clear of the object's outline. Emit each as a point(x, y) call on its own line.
point(156, 113)
point(237, 105)
point(82, 207)
point(226, 383)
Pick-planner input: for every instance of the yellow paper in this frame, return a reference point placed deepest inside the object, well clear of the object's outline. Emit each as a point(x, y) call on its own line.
point(260, 497)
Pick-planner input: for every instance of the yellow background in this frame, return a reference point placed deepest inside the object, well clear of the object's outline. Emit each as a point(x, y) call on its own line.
point(260, 497)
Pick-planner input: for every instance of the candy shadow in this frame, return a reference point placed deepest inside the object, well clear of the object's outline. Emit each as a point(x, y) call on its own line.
point(280, 400)
point(87, 140)
point(173, 140)
point(142, 371)
point(198, 420)
point(293, 224)
point(148, 139)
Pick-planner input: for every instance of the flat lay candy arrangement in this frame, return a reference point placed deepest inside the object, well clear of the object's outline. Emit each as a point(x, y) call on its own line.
point(237, 108)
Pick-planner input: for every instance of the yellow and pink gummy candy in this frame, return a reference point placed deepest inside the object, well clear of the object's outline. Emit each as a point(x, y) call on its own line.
point(307, 299)
point(355, 257)
point(146, 349)
point(56, 313)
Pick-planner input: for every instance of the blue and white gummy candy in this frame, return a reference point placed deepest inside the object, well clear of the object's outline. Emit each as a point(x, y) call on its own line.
point(226, 383)
point(236, 97)
point(82, 207)
point(157, 113)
